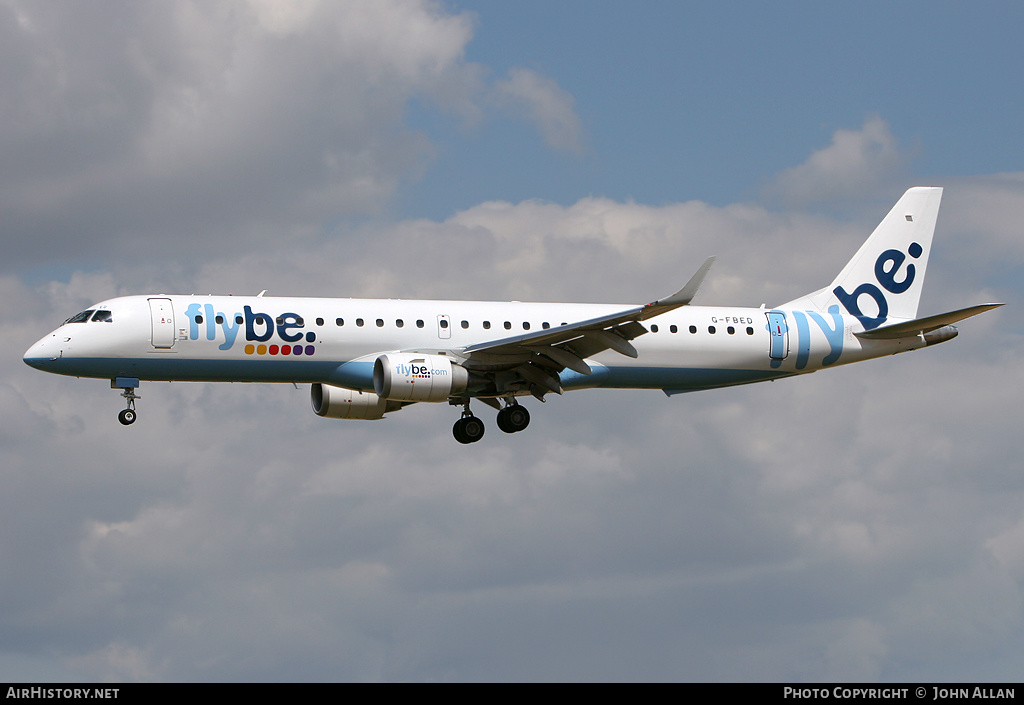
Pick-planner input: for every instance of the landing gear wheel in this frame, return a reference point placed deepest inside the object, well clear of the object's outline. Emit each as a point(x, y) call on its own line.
point(127, 416)
point(468, 429)
point(513, 418)
point(503, 420)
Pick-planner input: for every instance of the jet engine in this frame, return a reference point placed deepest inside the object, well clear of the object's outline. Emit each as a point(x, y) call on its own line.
point(416, 377)
point(339, 403)
point(940, 335)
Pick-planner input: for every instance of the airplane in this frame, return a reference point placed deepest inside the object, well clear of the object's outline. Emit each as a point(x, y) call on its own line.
point(365, 358)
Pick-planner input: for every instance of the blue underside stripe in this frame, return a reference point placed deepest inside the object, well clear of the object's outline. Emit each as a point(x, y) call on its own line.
point(166, 368)
point(359, 375)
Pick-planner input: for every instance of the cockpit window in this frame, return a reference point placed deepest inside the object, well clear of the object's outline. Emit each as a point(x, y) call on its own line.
point(80, 317)
point(103, 316)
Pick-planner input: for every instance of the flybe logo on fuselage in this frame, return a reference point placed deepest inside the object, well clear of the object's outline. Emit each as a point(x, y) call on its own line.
point(887, 266)
point(258, 328)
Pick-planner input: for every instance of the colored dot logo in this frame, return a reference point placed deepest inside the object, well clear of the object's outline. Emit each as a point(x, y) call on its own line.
point(280, 350)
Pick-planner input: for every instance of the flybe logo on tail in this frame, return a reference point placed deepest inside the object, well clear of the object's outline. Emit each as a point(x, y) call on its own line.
point(890, 276)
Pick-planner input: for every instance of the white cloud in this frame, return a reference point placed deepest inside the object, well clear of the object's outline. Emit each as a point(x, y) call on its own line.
point(857, 163)
point(181, 130)
point(544, 103)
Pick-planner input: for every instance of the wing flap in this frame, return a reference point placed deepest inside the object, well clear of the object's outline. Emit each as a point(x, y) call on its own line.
point(563, 357)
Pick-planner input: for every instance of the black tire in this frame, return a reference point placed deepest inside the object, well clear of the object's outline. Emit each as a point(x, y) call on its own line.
point(518, 417)
point(503, 423)
point(473, 429)
point(127, 417)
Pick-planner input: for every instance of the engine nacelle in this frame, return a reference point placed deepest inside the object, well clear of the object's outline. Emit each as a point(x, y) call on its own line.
point(340, 403)
point(940, 335)
point(415, 377)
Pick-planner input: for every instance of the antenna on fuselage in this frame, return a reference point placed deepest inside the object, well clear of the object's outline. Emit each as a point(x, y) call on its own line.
point(260, 295)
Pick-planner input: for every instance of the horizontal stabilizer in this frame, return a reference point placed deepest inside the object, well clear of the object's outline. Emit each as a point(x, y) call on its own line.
point(919, 326)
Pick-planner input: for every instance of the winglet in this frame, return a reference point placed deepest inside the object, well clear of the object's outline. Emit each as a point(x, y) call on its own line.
point(683, 296)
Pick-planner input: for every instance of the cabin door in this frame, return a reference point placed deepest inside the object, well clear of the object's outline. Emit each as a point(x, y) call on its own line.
point(780, 335)
point(163, 323)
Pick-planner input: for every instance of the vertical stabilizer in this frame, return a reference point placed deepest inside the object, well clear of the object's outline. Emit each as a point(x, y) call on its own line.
point(884, 279)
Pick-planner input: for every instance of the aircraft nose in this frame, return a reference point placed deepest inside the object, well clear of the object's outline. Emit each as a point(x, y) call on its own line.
point(42, 354)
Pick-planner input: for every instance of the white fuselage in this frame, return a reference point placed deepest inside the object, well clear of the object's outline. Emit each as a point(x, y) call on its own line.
point(335, 341)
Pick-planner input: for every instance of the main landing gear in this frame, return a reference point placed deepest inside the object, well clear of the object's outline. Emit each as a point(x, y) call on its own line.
point(513, 418)
point(470, 429)
point(127, 386)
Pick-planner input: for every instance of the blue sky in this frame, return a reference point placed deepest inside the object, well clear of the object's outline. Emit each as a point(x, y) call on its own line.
point(863, 524)
point(709, 101)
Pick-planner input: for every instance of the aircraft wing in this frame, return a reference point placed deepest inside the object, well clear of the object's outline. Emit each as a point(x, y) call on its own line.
point(540, 355)
point(920, 326)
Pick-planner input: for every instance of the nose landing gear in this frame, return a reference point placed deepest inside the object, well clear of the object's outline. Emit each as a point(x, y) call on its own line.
point(127, 385)
point(127, 416)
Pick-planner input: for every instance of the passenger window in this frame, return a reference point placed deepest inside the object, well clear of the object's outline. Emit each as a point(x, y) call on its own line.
point(673, 329)
point(339, 321)
point(750, 331)
point(693, 329)
point(711, 329)
point(508, 325)
point(359, 322)
point(219, 319)
point(399, 323)
point(102, 316)
point(654, 328)
point(465, 324)
point(731, 330)
point(444, 323)
point(487, 325)
point(545, 325)
point(319, 321)
point(380, 322)
point(239, 320)
point(199, 319)
point(419, 323)
point(526, 325)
